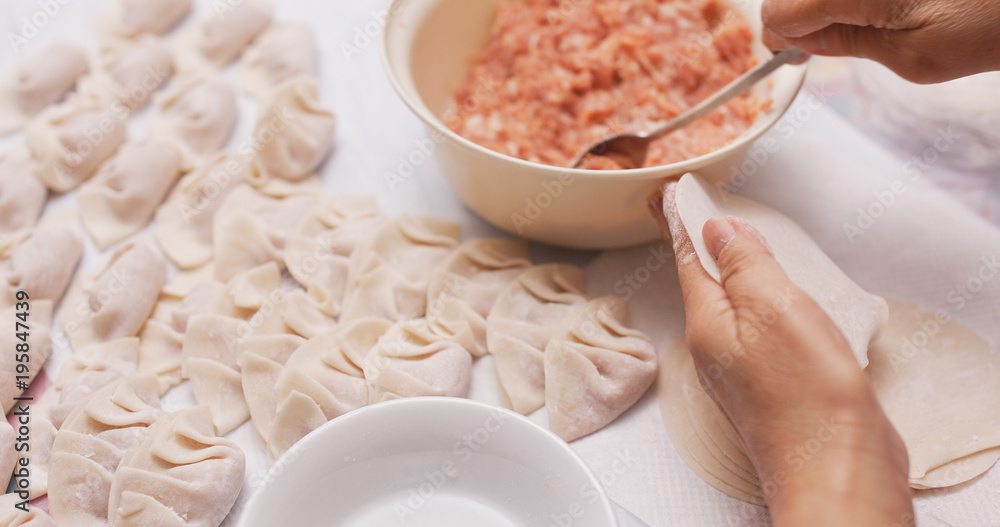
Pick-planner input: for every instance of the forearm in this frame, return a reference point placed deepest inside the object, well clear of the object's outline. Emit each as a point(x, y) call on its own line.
point(846, 477)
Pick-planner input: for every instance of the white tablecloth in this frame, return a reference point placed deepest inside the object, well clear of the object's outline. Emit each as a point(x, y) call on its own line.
point(920, 249)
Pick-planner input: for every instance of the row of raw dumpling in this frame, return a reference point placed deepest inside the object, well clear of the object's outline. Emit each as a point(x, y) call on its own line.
point(69, 143)
point(38, 262)
point(136, 60)
point(118, 459)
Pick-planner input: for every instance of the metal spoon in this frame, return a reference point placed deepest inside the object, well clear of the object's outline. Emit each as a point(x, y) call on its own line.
point(633, 146)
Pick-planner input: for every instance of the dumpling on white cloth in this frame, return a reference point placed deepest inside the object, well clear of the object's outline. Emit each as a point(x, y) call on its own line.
point(196, 116)
point(11, 516)
point(465, 286)
point(128, 19)
point(283, 51)
point(70, 141)
point(8, 456)
point(41, 265)
point(88, 370)
point(184, 222)
point(251, 228)
point(251, 304)
point(596, 367)
point(42, 78)
point(390, 273)
point(318, 251)
point(180, 474)
point(129, 75)
point(39, 318)
point(115, 299)
point(520, 325)
point(219, 37)
point(411, 360)
point(92, 443)
point(261, 359)
point(22, 195)
point(294, 132)
point(321, 381)
point(123, 196)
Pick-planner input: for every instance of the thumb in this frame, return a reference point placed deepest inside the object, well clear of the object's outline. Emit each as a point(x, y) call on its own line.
point(749, 272)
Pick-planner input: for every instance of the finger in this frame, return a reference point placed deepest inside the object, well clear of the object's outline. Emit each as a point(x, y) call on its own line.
point(895, 49)
point(705, 301)
point(798, 18)
point(749, 272)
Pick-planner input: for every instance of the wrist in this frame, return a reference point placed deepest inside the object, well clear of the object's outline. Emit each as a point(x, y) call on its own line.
point(852, 470)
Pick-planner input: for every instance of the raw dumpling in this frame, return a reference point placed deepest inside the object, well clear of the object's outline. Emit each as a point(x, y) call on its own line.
point(8, 456)
point(162, 338)
point(251, 228)
point(42, 265)
point(39, 319)
point(42, 78)
point(596, 367)
point(390, 273)
point(10, 516)
point(88, 370)
point(936, 381)
point(92, 443)
point(701, 433)
point(123, 196)
point(130, 74)
point(181, 474)
point(464, 287)
point(261, 359)
point(69, 142)
point(184, 222)
point(210, 362)
point(284, 51)
point(319, 249)
point(115, 300)
point(859, 315)
point(251, 305)
point(294, 133)
point(127, 19)
point(302, 314)
point(321, 381)
point(22, 195)
point(410, 360)
point(197, 117)
point(520, 325)
point(218, 38)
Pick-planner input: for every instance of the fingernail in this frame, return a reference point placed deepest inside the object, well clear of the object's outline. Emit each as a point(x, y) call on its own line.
point(718, 233)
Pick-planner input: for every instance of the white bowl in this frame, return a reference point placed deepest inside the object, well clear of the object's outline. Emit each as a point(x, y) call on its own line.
point(428, 46)
point(430, 462)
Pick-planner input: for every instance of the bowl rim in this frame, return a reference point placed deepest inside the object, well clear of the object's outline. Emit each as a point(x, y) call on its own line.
point(415, 103)
point(317, 438)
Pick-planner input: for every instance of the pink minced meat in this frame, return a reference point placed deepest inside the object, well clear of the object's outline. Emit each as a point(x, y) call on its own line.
point(559, 75)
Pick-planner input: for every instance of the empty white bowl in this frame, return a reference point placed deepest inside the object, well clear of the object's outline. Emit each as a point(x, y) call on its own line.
point(430, 462)
point(427, 49)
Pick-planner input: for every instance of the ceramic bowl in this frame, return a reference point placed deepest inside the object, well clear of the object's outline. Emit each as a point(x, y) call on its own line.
point(428, 45)
point(430, 462)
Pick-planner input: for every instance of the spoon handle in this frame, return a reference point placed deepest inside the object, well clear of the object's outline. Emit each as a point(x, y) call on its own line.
point(734, 88)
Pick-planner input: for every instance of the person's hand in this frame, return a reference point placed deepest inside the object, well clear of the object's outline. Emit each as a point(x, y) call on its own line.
point(785, 376)
point(921, 40)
